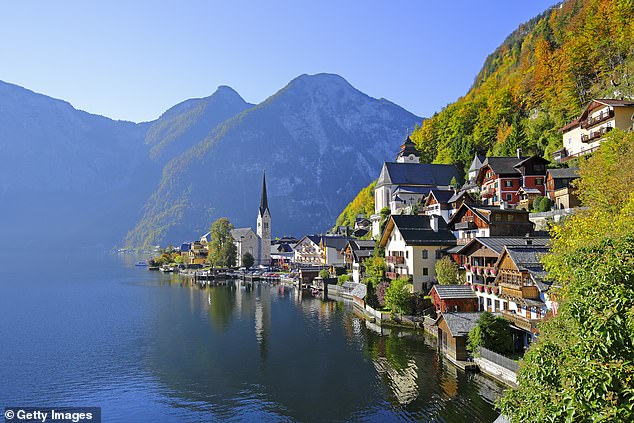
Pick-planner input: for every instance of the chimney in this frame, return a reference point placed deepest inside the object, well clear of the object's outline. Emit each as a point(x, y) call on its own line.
point(433, 222)
point(519, 153)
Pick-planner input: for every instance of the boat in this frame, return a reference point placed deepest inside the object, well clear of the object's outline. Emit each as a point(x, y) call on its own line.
point(141, 263)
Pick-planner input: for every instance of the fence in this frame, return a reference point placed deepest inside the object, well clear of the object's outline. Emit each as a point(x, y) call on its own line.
point(498, 359)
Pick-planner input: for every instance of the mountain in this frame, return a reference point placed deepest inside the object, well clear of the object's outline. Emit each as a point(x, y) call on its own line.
point(189, 122)
point(534, 83)
point(319, 140)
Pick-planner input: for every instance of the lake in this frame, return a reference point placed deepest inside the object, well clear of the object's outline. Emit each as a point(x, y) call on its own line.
point(91, 329)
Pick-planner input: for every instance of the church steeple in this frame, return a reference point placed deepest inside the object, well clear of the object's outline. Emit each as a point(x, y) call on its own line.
point(408, 152)
point(264, 203)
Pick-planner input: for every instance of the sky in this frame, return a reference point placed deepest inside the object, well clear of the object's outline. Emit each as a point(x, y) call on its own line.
point(132, 60)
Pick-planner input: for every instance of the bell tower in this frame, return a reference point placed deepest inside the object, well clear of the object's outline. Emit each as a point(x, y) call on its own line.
point(264, 226)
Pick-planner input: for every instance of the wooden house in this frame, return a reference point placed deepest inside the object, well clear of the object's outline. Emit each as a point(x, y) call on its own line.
point(453, 332)
point(454, 298)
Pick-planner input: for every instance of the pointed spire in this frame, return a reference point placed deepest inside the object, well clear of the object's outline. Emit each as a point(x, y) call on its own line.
point(264, 203)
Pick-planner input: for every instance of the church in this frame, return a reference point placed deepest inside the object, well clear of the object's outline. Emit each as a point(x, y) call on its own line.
point(258, 244)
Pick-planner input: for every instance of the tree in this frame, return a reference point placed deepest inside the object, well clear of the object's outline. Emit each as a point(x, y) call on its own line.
point(447, 272)
point(374, 270)
point(323, 273)
point(380, 292)
point(582, 366)
point(248, 260)
point(542, 204)
point(222, 250)
point(397, 296)
point(493, 333)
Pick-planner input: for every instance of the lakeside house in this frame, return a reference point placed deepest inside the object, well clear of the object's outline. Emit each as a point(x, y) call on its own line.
point(453, 298)
point(453, 330)
point(413, 244)
point(355, 252)
point(584, 134)
point(321, 250)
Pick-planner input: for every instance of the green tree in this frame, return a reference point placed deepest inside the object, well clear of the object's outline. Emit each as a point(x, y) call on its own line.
point(374, 270)
point(397, 296)
point(493, 333)
point(323, 273)
point(542, 204)
point(222, 250)
point(448, 273)
point(248, 260)
point(582, 366)
point(341, 279)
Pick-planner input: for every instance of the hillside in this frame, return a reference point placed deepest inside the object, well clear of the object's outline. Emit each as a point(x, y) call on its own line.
point(537, 81)
point(319, 139)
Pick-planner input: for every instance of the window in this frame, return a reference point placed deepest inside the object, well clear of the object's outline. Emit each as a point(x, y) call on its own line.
point(508, 183)
point(509, 217)
point(425, 254)
point(438, 254)
point(509, 197)
point(539, 181)
point(406, 254)
point(425, 271)
point(498, 217)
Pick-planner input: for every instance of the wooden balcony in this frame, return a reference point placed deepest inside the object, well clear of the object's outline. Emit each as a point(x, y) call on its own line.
point(529, 325)
point(529, 292)
point(391, 275)
point(395, 259)
point(466, 225)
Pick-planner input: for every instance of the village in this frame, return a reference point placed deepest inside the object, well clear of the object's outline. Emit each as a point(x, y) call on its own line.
point(443, 252)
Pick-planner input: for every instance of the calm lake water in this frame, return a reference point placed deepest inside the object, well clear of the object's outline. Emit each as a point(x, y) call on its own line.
point(94, 330)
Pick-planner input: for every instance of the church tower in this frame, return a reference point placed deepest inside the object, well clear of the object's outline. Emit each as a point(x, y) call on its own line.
point(264, 226)
point(408, 152)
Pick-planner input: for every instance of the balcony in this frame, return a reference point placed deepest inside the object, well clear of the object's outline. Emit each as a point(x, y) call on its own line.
point(395, 259)
point(470, 224)
point(529, 292)
point(601, 117)
point(391, 275)
point(591, 136)
point(529, 325)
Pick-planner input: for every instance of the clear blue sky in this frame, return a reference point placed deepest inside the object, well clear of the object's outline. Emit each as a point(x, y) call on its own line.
point(134, 59)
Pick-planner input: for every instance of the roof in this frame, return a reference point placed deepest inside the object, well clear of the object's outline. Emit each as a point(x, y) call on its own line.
point(478, 159)
point(441, 195)
point(503, 165)
point(264, 202)
point(529, 190)
point(312, 238)
point(239, 233)
point(460, 324)
point(417, 230)
point(337, 242)
point(363, 244)
point(362, 254)
point(360, 232)
point(528, 258)
point(446, 292)
point(457, 195)
point(497, 243)
point(412, 190)
point(424, 174)
point(484, 213)
point(564, 173)
point(408, 147)
point(531, 158)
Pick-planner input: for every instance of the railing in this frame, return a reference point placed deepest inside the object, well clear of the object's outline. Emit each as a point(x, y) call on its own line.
point(395, 259)
point(392, 275)
point(597, 119)
point(595, 134)
point(499, 359)
point(529, 325)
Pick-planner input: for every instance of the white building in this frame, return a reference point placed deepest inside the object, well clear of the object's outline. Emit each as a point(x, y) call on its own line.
point(257, 244)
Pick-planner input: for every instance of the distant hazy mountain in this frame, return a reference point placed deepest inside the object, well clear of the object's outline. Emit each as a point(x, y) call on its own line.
point(319, 139)
point(189, 122)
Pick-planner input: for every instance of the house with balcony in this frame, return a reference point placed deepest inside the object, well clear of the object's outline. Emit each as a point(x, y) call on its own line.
point(413, 244)
point(197, 253)
point(559, 187)
point(523, 287)
point(500, 178)
point(355, 253)
point(471, 221)
point(406, 182)
point(584, 134)
point(480, 256)
point(437, 203)
point(308, 252)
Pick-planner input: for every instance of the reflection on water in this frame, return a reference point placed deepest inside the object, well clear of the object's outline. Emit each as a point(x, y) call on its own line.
point(148, 346)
